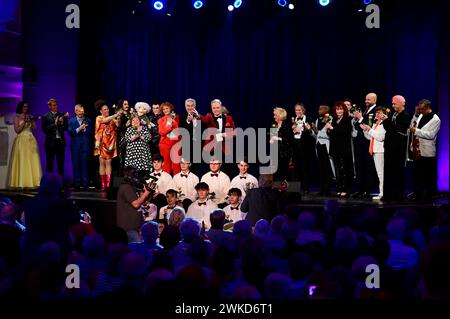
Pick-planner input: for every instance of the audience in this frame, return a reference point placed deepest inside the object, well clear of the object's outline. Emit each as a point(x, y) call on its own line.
point(299, 255)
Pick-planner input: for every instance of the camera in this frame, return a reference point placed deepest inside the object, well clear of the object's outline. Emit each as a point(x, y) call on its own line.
point(141, 180)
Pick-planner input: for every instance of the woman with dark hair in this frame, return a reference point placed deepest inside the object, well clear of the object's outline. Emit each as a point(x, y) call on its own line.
point(137, 139)
point(105, 141)
point(25, 164)
point(167, 126)
point(340, 131)
point(124, 124)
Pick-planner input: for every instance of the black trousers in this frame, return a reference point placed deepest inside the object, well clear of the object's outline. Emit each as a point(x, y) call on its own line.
point(301, 158)
point(364, 166)
point(343, 166)
point(282, 172)
point(394, 175)
point(55, 149)
point(425, 177)
point(325, 172)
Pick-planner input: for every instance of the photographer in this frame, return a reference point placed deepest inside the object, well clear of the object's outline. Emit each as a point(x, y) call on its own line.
point(133, 192)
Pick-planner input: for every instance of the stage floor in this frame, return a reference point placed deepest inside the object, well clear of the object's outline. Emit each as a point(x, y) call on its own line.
point(103, 209)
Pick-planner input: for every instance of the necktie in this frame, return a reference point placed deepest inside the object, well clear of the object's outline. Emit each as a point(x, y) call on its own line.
point(185, 175)
point(157, 174)
point(243, 177)
point(235, 208)
point(200, 204)
point(168, 207)
point(372, 140)
point(214, 175)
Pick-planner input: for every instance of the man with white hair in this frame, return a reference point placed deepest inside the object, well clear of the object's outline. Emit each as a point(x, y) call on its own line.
point(395, 143)
point(191, 123)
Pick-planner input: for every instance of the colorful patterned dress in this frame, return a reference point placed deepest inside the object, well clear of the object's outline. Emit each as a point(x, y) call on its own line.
point(105, 139)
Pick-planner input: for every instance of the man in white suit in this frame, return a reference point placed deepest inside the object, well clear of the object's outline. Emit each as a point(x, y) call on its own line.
point(425, 132)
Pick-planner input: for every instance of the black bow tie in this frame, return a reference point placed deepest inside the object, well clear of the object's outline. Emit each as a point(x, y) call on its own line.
point(243, 177)
point(214, 175)
point(200, 204)
point(185, 175)
point(233, 208)
point(156, 174)
point(168, 207)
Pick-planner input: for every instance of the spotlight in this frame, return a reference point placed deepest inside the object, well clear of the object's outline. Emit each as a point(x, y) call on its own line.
point(291, 6)
point(367, 2)
point(324, 3)
point(230, 7)
point(282, 3)
point(158, 4)
point(197, 4)
point(237, 3)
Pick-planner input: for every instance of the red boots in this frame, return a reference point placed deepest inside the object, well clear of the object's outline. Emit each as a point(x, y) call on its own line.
point(105, 182)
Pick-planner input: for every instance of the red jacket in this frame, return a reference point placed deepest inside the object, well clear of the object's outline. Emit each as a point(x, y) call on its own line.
point(212, 126)
point(165, 129)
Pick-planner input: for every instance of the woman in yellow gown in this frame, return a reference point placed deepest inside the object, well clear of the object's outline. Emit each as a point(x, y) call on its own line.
point(25, 169)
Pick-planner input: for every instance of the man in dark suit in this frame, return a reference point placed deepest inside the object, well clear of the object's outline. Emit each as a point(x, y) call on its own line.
point(191, 123)
point(80, 129)
point(220, 128)
point(395, 150)
point(365, 168)
point(262, 202)
point(54, 124)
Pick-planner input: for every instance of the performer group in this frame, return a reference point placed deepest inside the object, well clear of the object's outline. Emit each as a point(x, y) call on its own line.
point(356, 148)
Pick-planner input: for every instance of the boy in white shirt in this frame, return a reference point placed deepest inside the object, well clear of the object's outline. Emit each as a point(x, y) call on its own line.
point(172, 200)
point(184, 182)
point(233, 211)
point(244, 181)
point(164, 183)
point(202, 207)
point(218, 182)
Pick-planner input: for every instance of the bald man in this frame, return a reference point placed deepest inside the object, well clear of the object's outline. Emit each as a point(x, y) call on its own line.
point(395, 150)
point(366, 177)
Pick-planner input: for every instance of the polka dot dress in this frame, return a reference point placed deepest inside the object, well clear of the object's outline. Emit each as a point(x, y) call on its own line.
point(138, 151)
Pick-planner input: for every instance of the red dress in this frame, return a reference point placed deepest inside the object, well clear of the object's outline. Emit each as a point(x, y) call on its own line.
point(105, 139)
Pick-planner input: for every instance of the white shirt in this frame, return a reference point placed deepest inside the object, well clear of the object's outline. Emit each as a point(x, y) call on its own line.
point(427, 136)
point(244, 183)
point(164, 183)
point(186, 184)
point(201, 212)
point(378, 133)
point(234, 215)
point(368, 111)
point(298, 136)
point(166, 210)
point(218, 185)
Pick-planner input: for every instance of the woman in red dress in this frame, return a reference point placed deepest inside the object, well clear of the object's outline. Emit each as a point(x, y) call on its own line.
point(105, 141)
point(168, 125)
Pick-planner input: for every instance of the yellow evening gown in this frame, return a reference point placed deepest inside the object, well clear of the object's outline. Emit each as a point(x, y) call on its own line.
point(25, 164)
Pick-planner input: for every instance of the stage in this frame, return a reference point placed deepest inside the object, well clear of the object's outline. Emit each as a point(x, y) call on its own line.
point(103, 209)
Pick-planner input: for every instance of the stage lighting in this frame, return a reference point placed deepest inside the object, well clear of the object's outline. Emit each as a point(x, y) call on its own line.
point(367, 2)
point(230, 7)
point(197, 4)
point(324, 3)
point(237, 3)
point(291, 6)
point(158, 4)
point(282, 3)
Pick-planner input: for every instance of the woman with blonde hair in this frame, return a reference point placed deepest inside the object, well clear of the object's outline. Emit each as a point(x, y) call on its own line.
point(282, 136)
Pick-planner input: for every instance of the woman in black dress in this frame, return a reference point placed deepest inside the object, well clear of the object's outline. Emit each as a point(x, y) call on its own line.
point(137, 138)
point(283, 138)
point(340, 131)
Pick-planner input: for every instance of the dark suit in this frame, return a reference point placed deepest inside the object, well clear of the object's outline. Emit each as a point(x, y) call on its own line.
point(80, 150)
point(303, 150)
point(341, 153)
point(284, 151)
point(395, 155)
point(195, 137)
point(261, 203)
point(54, 141)
point(366, 176)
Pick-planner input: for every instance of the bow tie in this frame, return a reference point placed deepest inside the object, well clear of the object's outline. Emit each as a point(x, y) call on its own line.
point(200, 204)
point(168, 207)
point(156, 174)
point(214, 175)
point(243, 177)
point(218, 117)
point(185, 175)
point(235, 208)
